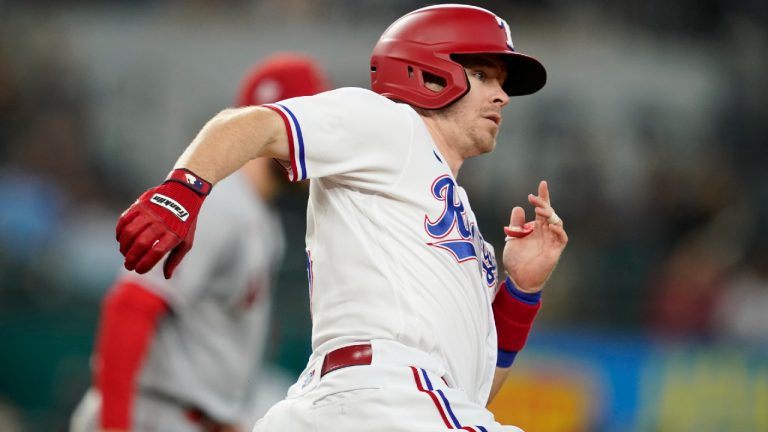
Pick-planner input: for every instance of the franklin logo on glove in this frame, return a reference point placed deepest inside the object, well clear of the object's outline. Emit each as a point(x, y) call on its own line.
point(171, 205)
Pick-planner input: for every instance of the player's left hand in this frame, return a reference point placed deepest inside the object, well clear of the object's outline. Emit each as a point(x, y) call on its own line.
point(533, 249)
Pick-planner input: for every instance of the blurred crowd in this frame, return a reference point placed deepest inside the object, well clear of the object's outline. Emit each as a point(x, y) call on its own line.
point(666, 200)
point(55, 194)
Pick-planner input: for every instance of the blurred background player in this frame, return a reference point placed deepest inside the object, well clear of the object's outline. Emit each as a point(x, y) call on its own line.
point(186, 354)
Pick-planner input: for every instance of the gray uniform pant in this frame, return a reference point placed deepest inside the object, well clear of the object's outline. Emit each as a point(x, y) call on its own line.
point(150, 414)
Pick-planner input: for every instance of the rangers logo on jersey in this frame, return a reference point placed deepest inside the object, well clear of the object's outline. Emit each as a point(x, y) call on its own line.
point(466, 239)
point(488, 264)
point(453, 220)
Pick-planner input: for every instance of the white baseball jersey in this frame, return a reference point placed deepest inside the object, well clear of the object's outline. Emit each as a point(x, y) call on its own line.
point(393, 247)
point(207, 352)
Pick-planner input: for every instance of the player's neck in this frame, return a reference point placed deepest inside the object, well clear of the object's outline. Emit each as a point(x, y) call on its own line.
point(453, 158)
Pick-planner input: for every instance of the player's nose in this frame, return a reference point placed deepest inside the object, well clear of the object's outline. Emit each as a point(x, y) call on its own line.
point(499, 95)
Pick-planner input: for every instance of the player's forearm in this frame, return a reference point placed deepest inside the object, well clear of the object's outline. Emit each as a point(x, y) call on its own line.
point(232, 138)
point(499, 377)
point(513, 313)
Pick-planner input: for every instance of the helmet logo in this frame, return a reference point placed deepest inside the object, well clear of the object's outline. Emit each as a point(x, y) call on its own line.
point(503, 25)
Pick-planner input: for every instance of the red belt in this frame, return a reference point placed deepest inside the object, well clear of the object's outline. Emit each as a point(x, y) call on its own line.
point(353, 355)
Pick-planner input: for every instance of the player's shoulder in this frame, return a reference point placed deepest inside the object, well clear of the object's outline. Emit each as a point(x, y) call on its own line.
point(360, 93)
point(379, 113)
point(360, 98)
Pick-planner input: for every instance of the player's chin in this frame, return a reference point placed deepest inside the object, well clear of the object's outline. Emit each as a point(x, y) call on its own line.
point(488, 144)
point(484, 141)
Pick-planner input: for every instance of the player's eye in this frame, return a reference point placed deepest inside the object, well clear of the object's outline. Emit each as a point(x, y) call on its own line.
point(482, 76)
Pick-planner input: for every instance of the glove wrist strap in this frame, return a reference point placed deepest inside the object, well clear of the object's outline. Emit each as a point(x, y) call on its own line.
point(190, 180)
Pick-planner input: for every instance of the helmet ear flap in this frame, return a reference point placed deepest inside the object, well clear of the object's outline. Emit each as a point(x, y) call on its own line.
point(431, 84)
point(442, 88)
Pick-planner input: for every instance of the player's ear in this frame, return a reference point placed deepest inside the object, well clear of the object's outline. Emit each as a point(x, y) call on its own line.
point(434, 82)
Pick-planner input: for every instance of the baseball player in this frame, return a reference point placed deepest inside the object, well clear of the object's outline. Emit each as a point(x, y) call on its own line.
point(185, 354)
point(414, 327)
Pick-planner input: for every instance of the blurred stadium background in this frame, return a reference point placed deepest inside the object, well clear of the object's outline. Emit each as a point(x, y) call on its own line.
point(651, 131)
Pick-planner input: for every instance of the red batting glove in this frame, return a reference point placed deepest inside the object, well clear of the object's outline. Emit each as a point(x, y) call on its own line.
point(162, 220)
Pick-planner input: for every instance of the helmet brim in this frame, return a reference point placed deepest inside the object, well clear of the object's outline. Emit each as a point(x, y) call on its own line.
point(525, 74)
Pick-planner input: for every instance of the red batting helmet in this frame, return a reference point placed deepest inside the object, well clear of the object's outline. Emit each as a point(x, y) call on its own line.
point(282, 76)
point(423, 41)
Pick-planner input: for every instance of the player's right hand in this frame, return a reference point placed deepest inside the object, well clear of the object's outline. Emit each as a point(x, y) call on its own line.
point(162, 221)
point(533, 249)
